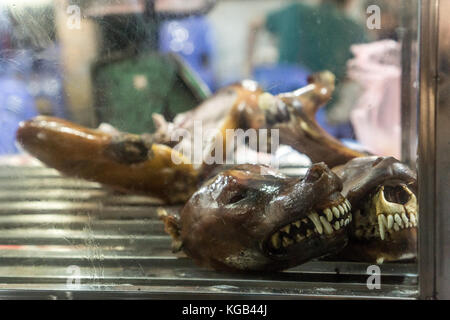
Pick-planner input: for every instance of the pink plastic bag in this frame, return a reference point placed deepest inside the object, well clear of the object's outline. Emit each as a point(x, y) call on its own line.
point(376, 114)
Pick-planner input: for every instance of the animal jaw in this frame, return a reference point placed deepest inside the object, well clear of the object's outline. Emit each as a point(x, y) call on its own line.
point(385, 209)
point(318, 222)
point(390, 216)
point(243, 221)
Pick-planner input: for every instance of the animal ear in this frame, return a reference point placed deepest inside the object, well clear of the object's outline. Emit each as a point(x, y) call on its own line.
point(172, 225)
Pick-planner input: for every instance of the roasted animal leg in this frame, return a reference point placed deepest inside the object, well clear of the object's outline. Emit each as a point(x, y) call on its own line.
point(293, 114)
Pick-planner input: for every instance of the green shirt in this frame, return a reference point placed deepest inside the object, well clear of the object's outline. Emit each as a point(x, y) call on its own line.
point(316, 37)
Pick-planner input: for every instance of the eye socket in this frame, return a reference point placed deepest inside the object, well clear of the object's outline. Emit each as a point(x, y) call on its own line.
point(396, 194)
point(237, 197)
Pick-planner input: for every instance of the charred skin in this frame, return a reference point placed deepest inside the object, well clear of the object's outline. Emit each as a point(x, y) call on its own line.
point(241, 220)
point(384, 207)
point(125, 162)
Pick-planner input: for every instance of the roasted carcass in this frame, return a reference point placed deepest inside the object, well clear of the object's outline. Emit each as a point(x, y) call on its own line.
point(230, 218)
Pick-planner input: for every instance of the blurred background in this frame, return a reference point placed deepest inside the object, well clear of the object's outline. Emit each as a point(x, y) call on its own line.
point(119, 61)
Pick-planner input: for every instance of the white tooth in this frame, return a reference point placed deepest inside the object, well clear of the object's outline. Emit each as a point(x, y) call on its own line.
point(315, 219)
point(309, 232)
point(344, 206)
point(349, 206)
point(287, 228)
point(328, 213)
point(398, 220)
point(390, 221)
point(347, 221)
point(299, 237)
point(336, 225)
point(342, 210)
point(287, 242)
point(412, 217)
point(381, 227)
point(383, 218)
point(396, 227)
point(405, 219)
point(326, 225)
point(305, 221)
point(297, 224)
point(276, 241)
point(341, 222)
point(335, 211)
point(350, 217)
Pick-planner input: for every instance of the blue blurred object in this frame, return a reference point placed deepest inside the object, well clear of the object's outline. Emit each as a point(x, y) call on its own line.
point(16, 105)
point(46, 83)
point(341, 131)
point(281, 77)
point(191, 39)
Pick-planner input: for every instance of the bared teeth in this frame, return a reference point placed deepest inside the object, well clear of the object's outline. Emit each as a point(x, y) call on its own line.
point(336, 212)
point(321, 223)
point(349, 206)
point(390, 220)
point(337, 226)
point(326, 225)
point(384, 220)
point(394, 222)
point(287, 242)
point(329, 214)
point(299, 237)
point(381, 227)
point(275, 241)
point(286, 229)
point(405, 219)
point(341, 210)
point(315, 219)
point(398, 220)
point(412, 217)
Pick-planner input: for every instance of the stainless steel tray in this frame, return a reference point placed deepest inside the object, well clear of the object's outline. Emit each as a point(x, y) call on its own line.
point(52, 225)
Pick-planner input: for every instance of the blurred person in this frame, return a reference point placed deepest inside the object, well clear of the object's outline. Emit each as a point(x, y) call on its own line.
point(314, 37)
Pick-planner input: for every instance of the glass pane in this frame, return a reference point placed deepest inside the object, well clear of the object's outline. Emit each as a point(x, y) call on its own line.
point(123, 122)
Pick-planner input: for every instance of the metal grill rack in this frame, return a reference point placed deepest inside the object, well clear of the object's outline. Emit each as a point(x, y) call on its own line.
point(53, 228)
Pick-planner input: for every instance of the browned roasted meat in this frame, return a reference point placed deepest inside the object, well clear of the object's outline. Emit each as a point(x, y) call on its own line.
point(125, 162)
point(244, 221)
point(381, 190)
point(148, 164)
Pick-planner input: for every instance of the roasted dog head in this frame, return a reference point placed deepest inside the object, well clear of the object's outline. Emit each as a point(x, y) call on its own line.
point(382, 193)
point(242, 220)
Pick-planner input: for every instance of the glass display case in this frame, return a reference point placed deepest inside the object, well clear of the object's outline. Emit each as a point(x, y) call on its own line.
point(105, 212)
